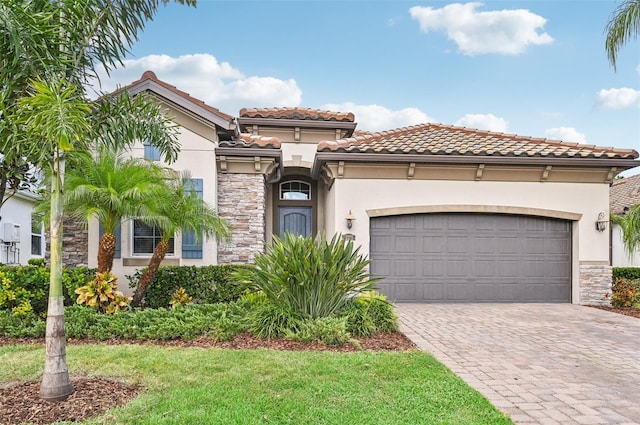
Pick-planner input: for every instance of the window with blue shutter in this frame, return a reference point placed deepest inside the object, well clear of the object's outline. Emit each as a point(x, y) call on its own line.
point(151, 152)
point(117, 235)
point(192, 245)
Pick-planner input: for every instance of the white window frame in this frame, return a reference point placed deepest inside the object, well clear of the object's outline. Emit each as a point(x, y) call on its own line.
point(144, 254)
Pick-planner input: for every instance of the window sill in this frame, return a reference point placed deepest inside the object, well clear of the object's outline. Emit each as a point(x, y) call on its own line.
point(145, 262)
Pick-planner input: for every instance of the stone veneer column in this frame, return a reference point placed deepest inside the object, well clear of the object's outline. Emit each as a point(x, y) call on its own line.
point(242, 203)
point(595, 284)
point(75, 244)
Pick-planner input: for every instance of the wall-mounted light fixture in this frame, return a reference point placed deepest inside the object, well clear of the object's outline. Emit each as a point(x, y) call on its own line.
point(601, 223)
point(349, 219)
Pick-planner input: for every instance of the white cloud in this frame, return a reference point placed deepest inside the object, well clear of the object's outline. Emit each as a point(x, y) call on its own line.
point(484, 122)
point(507, 32)
point(217, 83)
point(568, 134)
point(378, 118)
point(624, 97)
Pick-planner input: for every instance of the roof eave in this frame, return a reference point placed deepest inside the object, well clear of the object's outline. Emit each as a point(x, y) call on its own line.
point(158, 89)
point(321, 158)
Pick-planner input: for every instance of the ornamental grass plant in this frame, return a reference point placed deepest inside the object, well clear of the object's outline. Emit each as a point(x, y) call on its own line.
point(311, 278)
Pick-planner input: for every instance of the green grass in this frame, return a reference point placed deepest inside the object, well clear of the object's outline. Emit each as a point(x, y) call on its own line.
point(214, 386)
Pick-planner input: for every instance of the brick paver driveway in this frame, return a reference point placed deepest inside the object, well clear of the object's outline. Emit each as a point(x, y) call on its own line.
point(539, 363)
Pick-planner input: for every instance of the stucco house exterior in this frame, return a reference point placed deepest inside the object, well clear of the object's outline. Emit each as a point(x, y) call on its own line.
point(22, 236)
point(446, 214)
point(624, 194)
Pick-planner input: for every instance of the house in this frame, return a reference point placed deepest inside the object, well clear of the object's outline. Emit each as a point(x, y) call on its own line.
point(446, 214)
point(624, 194)
point(22, 236)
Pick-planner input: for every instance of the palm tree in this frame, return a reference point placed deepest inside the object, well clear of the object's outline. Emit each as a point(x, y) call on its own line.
point(110, 187)
point(180, 209)
point(623, 25)
point(64, 43)
point(629, 223)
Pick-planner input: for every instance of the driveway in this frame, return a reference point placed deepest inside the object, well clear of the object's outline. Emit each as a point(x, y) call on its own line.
point(538, 363)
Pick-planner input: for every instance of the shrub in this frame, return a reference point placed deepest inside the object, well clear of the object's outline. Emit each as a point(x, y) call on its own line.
point(326, 330)
point(626, 273)
point(311, 278)
point(206, 284)
point(14, 298)
point(35, 280)
point(625, 293)
point(370, 313)
point(272, 321)
point(38, 262)
point(28, 326)
point(103, 295)
point(179, 298)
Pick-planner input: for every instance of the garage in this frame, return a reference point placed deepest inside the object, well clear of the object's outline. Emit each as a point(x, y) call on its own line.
point(472, 257)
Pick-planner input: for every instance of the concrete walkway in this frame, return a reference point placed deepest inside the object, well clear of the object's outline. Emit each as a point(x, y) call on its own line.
point(538, 363)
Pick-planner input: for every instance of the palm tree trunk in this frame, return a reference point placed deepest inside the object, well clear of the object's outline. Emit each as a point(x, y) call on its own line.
point(56, 385)
point(154, 263)
point(106, 252)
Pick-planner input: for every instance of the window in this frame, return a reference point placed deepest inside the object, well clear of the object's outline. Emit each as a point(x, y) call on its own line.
point(151, 152)
point(117, 234)
point(36, 236)
point(295, 190)
point(145, 238)
point(192, 245)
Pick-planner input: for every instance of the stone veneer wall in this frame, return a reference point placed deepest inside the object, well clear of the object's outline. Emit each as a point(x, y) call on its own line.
point(595, 284)
point(242, 202)
point(75, 243)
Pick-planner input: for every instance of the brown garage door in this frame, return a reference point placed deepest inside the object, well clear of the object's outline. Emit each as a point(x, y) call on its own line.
point(468, 257)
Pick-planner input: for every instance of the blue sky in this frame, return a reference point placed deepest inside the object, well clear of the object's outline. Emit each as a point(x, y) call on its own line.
point(531, 68)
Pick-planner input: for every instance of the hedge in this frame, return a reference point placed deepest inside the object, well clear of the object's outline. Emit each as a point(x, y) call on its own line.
point(626, 273)
point(206, 284)
point(35, 281)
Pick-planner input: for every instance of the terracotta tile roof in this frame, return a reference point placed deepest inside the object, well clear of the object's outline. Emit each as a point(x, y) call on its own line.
point(440, 139)
point(246, 140)
point(297, 114)
point(150, 75)
point(624, 193)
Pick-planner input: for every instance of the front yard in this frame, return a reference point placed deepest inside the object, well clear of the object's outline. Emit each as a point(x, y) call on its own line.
point(219, 386)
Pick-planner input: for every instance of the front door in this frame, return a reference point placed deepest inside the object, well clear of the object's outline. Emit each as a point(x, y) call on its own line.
point(294, 206)
point(294, 220)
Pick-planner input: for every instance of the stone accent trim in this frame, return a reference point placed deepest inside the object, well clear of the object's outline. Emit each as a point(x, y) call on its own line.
point(595, 284)
point(75, 243)
point(242, 203)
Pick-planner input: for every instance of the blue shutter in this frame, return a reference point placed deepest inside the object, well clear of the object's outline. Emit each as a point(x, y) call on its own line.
point(118, 237)
point(192, 245)
point(151, 152)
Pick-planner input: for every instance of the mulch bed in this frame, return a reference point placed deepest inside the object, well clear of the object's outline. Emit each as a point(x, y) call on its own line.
point(20, 403)
point(627, 311)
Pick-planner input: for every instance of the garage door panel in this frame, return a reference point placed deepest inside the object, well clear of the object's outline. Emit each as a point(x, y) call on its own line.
point(472, 258)
point(405, 244)
point(405, 268)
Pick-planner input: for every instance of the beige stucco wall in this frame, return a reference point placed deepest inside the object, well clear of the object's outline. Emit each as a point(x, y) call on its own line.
point(197, 155)
point(619, 256)
point(580, 202)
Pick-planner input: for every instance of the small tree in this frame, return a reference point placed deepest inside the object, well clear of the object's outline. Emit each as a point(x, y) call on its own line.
point(110, 187)
point(179, 209)
point(630, 226)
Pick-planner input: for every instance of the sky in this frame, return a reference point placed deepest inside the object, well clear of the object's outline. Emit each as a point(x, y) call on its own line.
point(534, 68)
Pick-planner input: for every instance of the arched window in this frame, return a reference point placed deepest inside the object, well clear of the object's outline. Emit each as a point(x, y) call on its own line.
point(295, 190)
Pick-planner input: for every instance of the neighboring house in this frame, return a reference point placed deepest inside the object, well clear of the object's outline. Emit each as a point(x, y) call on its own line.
point(446, 214)
point(22, 236)
point(624, 194)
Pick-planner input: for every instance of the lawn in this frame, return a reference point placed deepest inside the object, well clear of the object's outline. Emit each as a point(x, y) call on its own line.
point(217, 386)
